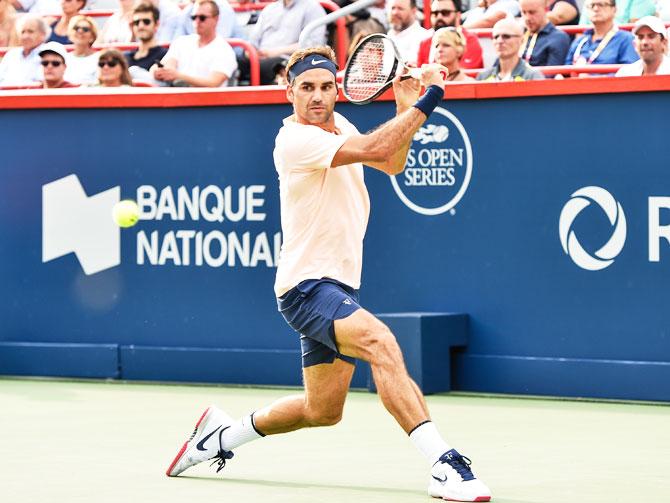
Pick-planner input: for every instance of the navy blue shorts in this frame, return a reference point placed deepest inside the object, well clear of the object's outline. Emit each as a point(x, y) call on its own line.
point(311, 309)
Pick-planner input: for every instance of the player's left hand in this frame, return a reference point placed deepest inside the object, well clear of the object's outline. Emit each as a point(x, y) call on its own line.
point(406, 92)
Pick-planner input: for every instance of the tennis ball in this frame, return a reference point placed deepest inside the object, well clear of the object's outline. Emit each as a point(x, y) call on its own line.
point(126, 213)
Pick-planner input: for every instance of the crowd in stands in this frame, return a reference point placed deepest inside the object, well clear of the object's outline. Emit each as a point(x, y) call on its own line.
point(55, 44)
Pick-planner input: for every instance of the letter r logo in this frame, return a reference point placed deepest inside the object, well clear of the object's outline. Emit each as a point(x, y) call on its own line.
point(75, 222)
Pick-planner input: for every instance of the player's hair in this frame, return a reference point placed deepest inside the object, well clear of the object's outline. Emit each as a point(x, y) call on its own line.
point(145, 7)
point(212, 4)
point(322, 50)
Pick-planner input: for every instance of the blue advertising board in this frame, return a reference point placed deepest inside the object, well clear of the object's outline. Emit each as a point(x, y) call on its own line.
point(551, 231)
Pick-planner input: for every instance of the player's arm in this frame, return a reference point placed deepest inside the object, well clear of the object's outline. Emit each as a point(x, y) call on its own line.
point(386, 147)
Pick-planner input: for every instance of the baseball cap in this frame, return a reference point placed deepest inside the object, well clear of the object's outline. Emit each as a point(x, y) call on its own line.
point(653, 23)
point(54, 47)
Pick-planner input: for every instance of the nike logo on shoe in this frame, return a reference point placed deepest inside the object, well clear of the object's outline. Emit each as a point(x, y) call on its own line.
point(441, 481)
point(318, 61)
point(201, 444)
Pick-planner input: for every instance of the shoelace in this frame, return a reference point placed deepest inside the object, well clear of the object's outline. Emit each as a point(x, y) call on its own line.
point(459, 463)
point(222, 455)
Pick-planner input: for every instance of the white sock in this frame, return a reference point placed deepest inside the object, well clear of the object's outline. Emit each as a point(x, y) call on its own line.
point(239, 433)
point(429, 441)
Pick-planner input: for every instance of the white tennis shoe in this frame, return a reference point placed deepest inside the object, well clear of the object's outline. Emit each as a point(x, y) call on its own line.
point(451, 479)
point(204, 444)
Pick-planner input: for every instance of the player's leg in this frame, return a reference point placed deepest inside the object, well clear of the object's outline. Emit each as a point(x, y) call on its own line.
point(363, 336)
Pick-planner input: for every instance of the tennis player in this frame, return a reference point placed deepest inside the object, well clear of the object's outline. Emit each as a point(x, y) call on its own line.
point(319, 156)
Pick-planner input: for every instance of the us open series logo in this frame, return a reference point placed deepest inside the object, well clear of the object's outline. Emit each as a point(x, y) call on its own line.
point(439, 166)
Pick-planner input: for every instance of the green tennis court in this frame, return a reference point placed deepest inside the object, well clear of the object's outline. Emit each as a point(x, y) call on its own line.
point(68, 441)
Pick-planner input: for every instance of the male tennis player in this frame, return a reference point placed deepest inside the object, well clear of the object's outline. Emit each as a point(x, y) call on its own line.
point(319, 156)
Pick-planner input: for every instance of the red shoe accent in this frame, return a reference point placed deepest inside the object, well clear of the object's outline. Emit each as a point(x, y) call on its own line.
point(183, 447)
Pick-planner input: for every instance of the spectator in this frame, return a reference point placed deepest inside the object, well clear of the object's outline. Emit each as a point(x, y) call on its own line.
point(145, 28)
point(82, 62)
point(8, 35)
point(59, 28)
point(277, 32)
point(563, 12)
point(449, 46)
point(53, 56)
point(603, 44)
point(542, 43)
point(445, 13)
point(651, 43)
point(628, 11)
point(170, 16)
point(507, 36)
point(21, 65)
point(203, 59)
point(405, 30)
point(227, 27)
point(116, 29)
point(489, 12)
point(113, 69)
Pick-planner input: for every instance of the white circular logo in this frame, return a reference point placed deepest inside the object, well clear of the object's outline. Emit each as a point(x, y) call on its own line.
point(571, 246)
point(439, 166)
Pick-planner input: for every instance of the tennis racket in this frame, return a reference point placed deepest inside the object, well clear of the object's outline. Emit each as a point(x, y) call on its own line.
point(371, 69)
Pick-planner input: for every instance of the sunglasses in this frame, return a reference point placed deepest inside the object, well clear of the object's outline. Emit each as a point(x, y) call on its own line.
point(83, 29)
point(144, 21)
point(200, 17)
point(55, 64)
point(442, 12)
point(112, 63)
point(504, 36)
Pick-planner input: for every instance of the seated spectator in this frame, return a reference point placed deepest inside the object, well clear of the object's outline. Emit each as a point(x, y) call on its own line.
point(276, 34)
point(21, 65)
point(145, 27)
point(82, 62)
point(444, 13)
point(628, 11)
point(651, 43)
point(116, 29)
point(59, 28)
point(53, 55)
point(113, 69)
point(37, 7)
point(227, 27)
point(405, 29)
point(8, 35)
point(489, 12)
point(542, 43)
point(603, 44)
point(563, 12)
point(449, 46)
point(203, 59)
point(507, 36)
point(170, 15)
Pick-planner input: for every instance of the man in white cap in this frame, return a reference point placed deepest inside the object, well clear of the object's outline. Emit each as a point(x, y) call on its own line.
point(651, 43)
point(54, 62)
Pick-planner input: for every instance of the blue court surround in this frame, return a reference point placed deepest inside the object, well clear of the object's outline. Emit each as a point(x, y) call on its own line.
point(539, 324)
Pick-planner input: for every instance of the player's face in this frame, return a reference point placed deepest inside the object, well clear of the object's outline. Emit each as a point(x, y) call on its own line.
point(313, 94)
point(650, 45)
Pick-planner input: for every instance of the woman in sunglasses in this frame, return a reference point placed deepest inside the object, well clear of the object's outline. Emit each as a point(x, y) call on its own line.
point(113, 69)
point(117, 26)
point(82, 63)
point(59, 28)
point(449, 46)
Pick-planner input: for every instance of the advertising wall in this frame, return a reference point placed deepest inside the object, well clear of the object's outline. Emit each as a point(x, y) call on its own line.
point(546, 219)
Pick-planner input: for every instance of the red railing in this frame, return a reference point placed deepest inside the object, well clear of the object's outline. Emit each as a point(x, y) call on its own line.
point(552, 71)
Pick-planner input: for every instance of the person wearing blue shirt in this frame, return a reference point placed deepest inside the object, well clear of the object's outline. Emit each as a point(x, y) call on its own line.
point(603, 44)
point(542, 44)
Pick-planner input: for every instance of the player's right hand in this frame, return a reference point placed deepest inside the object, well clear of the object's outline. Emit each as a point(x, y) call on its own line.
point(433, 74)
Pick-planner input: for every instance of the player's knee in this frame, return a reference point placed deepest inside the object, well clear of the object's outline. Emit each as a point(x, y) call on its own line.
point(383, 347)
point(324, 417)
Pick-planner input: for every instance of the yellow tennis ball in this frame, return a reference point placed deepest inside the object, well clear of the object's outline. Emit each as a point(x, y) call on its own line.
point(126, 213)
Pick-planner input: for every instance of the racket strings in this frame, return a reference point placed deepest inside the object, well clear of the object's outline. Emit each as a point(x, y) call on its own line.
point(368, 71)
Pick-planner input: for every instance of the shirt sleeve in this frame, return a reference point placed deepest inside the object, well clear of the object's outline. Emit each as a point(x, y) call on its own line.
point(225, 62)
point(310, 148)
point(173, 51)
